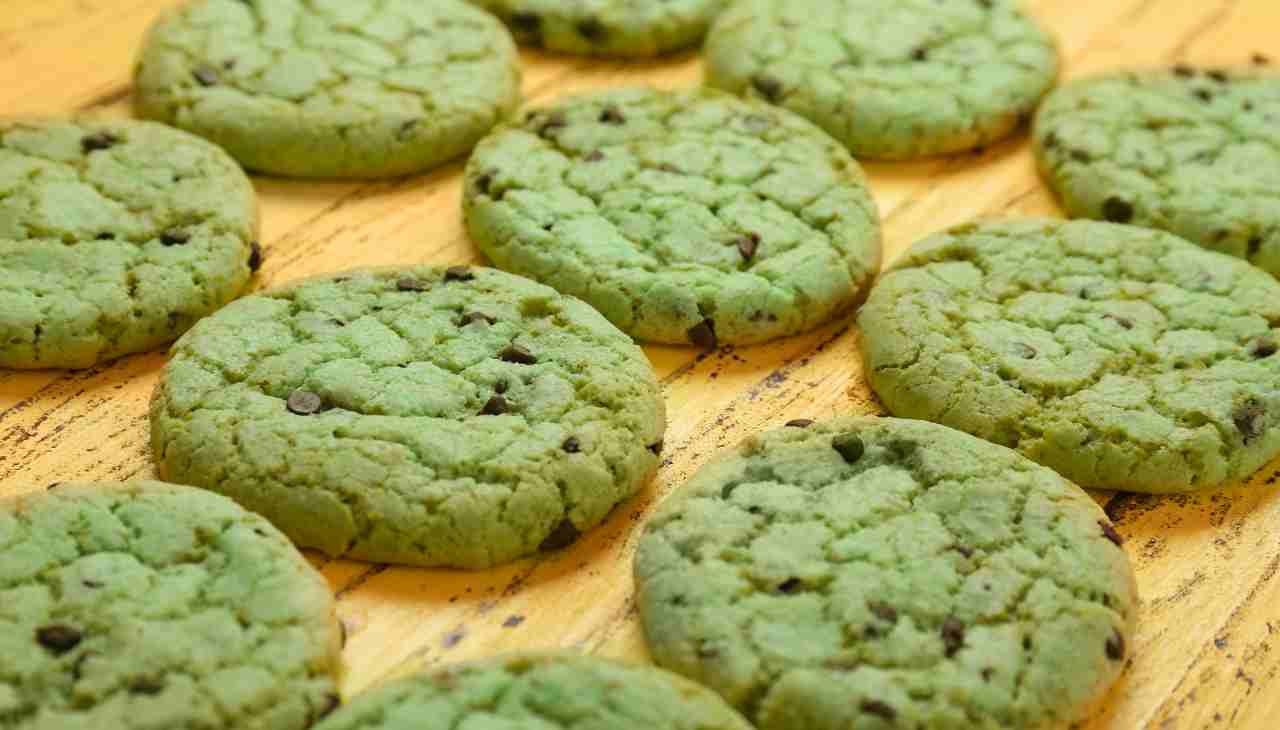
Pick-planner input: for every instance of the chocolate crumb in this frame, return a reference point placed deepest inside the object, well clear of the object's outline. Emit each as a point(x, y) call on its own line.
point(800, 423)
point(98, 141)
point(1263, 347)
point(612, 115)
point(458, 273)
point(879, 709)
point(174, 237)
point(1117, 210)
point(790, 585)
point(518, 355)
point(495, 406)
point(58, 638)
point(1115, 646)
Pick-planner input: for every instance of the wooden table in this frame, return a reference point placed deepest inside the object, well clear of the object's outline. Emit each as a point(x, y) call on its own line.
point(1206, 564)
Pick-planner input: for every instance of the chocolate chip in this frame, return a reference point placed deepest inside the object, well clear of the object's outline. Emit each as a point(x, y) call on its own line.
point(526, 23)
point(1219, 76)
point(1184, 71)
point(656, 448)
point(1262, 347)
point(748, 245)
point(174, 237)
point(1117, 210)
point(1260, 60)
point(703, 334)
point(883, 611)
point(146, 686)
point(879, 709)
point(920, 54)
point(1204, 95)
point(206, 75)
point(849, 446)
point(304, 403)
point(471, 317)
point(768, 86)
point(1124, 322)
point(561, 537)
point(105, 236)
point(495, 406)
point(1115, 646)
point(1026, 643)
point(483, 181)
point(1110, 533)
point(800, 423)
point(987, 674)
point(518, 355)
point(595, 156)
point(92, 584)
point(409, 283)
point(58, 638)
point(591, 29)
point(98, 141)
point(458, 273)
point(552, 122)
point(571, 445)
point(255, 256)
point(1081, 156)
point(964, 550)
point(952, 635)
point(790, 585)
point(1255, 246)
point(1251, 419)
point(500, 387)
point(612, 115)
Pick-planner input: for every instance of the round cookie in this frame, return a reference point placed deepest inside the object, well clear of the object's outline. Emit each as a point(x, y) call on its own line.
point(539, 692)
point(1125, 358)
point(115, 237)
point(1196, 153)
point(438, 417)
point(686, 216)
point(148, 605)
point(321, 88)
point(891, 79)
point(881, 573)
point(607, 27)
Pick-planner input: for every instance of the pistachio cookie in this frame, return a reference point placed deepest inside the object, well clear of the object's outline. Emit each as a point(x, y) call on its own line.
point(539, 692)
point(145, 605)
point(438, 417)
point(115, 237)
point(1193, 152)
point(685, 216)
point(891, 79)
point(624, 28)
point(320, 88)
point(1123, 357)
point(881, 573)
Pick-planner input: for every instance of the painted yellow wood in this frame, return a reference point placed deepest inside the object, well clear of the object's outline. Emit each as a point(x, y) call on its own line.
point(1206, 564)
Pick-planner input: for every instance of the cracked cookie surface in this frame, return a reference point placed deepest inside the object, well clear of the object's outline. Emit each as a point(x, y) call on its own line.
point(623, 28)
point(1190, 151)
point(440, 417)
point(891, 80)
point(147, 605)
point(539, 692)
point(1123, 357)
point(115, 237)
point(331, 88)
point(683, 217)
point(881, 573)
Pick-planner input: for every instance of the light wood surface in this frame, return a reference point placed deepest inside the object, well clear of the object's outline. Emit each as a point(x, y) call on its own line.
point(1206, 564)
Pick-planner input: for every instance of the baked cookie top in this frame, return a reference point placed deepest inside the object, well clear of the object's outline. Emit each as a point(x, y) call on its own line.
point(622, 28)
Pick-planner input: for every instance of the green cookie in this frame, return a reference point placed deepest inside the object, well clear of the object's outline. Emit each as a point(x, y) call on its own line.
point(331, 88)
point(145, 605)
point(869, 573)
point(437, 417)
point(607, 27)
point(891, 79)
point(686, 216)
point(539, 692)
point(1124, 358)
point(1191, 152)
point(115, 237)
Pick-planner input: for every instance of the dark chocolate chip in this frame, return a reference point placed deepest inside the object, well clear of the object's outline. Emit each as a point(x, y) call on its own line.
point(146, 686)
point(768, 86)
point(800, 423)
point(883, 611)
point(880, 709)
point(612, 115)
point(1219, 76)
point(516, 354)
point(483, 181)
point(1026, 643)
point(304, 403)
point(987, 674)
point(58, 638)
point(1260, 59)
point(920, 54)
point(952, 635)
point(409, 283)
point(748, 245)
point(790, 585)
point(174, 237)
point(1184, 71)
point(591, 29)
point(471, 317)
point(495, 406)
point(526, 23)
point(561, 537)
point(1117, 210)
point(255, 256)
point(458, 273)
point(1204, 95)
point(206, 75)
point(105, 236)
point(1110, 533)
point(1115, 646)
point(1255, 246)
point(92, 584)
point(595, 156)
point(703, 334)
point(571, 445)
point(655, 447)
point(1262, 347)
point(1251, 419)
point(849, 446)
point(500, 387)
point(1081, 156)
point(98, 141)
point(1124, 322)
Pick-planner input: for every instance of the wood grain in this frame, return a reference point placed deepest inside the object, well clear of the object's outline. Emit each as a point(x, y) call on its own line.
point(1206, 564)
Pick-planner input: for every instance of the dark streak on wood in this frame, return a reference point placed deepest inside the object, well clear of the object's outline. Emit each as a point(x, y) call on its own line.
point(107, 98)
point(369, 574)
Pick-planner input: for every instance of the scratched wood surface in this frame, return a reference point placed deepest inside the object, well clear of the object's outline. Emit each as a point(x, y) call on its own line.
point(1206, 564)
